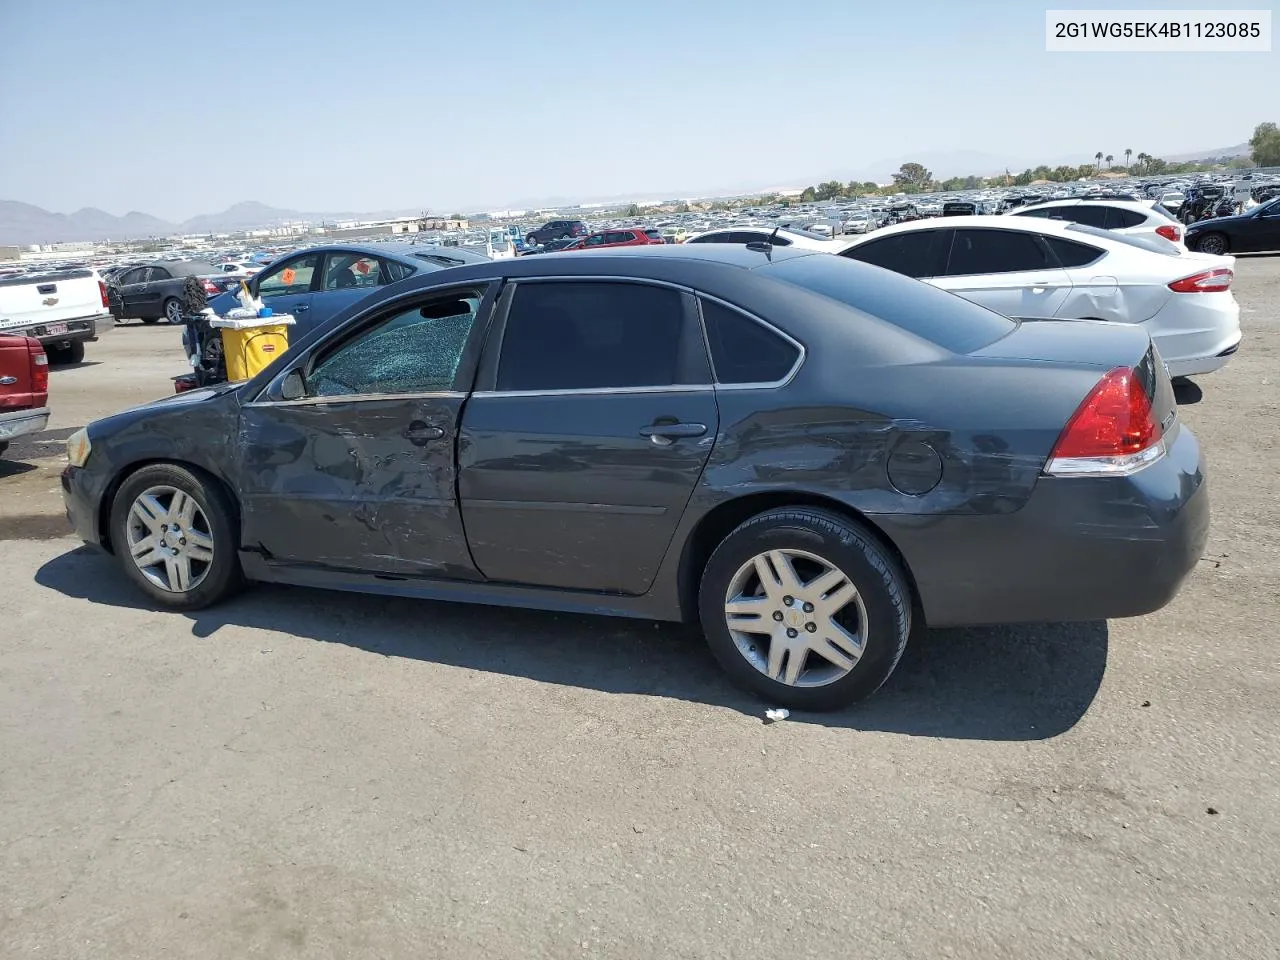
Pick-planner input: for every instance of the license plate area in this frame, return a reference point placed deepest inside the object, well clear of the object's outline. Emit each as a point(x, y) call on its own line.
point(55, 328)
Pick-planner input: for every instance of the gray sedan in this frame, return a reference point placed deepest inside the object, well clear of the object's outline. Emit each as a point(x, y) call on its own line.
point(813, 457)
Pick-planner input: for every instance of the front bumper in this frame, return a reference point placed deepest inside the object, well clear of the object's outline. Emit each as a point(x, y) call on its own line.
point(19, 423)
point(82, 492)
point(1079, 549)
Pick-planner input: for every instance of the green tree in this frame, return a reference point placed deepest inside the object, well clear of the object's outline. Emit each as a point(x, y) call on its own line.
point(1110, 161)
point(1240, 163)
point(830, 190)
point(632, 211)
point(809, 195)
point(456, 216)
point(1264, 145)
point(1098, 158)
point(1127, 155)
point(912, 178)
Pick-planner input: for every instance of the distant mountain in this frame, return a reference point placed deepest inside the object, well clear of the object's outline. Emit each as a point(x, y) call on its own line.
point(1222, 153)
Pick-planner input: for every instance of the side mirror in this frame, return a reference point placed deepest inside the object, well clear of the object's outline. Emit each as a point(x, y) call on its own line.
point(293, 387)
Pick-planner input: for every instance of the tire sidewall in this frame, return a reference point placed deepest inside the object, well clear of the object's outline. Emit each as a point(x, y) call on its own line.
point(224, 573)
point(880, 583)
point(1216, 237)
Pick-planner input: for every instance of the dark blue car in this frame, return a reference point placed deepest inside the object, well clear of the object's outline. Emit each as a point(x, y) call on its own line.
point(315, 283)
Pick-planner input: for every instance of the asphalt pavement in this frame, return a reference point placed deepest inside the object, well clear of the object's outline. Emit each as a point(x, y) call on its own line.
point(304, 774)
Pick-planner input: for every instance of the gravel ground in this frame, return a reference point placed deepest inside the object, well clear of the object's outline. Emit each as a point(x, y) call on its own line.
point(317, 775)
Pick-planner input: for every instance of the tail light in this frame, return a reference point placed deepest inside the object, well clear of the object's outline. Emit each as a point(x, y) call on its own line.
point(102, 292)
point(1170, 232)
point(39, 366)
point(1210, 281)
point(210, 287)
point(1114, 432)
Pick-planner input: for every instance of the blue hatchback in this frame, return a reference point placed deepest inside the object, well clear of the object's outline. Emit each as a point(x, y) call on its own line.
point(316, 283)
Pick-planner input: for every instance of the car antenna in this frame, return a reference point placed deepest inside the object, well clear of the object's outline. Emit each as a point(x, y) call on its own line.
point(765, 246)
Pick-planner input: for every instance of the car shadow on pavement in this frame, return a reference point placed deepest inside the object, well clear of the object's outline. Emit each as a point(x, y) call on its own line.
point(1186, 392)
point(1009, 683)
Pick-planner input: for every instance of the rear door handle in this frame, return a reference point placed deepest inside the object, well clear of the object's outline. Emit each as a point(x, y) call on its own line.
point(301, 307)
point(419, 433)
point(668, 433)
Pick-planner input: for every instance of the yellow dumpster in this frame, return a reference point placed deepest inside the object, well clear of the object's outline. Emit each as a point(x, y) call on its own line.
point(251, 344)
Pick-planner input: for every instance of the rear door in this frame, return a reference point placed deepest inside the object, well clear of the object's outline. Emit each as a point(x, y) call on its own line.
point(592, 420)
point(348, 276)
point(1008, 271)
point(146, 296)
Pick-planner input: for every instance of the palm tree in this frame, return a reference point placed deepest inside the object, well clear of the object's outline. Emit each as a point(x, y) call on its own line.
point(1098, 161)
point(1127, 154)
point(1143, 160)
point(1110, 159)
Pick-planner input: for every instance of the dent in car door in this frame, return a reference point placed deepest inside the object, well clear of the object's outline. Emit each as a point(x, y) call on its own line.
point(360, 474)
point(575, 471)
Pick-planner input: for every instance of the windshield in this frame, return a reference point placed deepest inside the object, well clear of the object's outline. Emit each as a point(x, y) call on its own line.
point(945, 319)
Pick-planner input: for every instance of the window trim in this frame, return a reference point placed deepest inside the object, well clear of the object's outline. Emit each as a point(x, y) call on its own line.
point(469, 363)
point(758, 385)
point(490, 364)
point(1036, 238)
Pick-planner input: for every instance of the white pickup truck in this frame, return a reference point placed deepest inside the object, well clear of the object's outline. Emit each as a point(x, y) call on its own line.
point(61, 309)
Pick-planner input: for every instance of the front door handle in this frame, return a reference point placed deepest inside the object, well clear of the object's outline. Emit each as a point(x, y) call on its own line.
point(301, 307)
point(664, 434)
point(420, 434)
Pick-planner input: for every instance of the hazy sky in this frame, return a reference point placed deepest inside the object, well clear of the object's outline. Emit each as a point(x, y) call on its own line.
point(187, 106)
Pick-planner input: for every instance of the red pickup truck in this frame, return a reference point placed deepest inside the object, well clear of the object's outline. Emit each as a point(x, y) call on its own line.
point(24, 388)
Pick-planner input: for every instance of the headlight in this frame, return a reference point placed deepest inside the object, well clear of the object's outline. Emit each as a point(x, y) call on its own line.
point(78, 447)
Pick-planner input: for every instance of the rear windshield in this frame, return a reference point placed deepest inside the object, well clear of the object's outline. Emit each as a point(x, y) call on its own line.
point(1150, 244)
point(1164, 211)
point(951, 322)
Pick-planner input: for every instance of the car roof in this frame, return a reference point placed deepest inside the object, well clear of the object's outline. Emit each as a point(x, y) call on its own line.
point(996, 222)
point(405, 251)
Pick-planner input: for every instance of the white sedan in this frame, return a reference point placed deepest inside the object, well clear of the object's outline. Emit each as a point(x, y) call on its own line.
point(1033, 267)
point(1133, 218)
point(781, 237)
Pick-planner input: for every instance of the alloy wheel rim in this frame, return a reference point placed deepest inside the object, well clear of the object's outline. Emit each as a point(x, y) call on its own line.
point(1211, 245)
point(169, 539)
point(173, 312)
point(796, 618)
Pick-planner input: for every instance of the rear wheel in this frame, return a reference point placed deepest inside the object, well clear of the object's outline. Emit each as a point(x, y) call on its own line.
point(173, 310)
point(3, 447)
point(71, 353)
point(804, 608)
point(531, 240)
point(1214, 243)
point(173, 532)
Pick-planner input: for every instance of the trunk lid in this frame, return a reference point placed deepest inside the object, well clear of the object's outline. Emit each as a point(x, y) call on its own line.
point(1075, 342)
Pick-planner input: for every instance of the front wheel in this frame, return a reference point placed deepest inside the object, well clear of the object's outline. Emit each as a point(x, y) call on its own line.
point(805, 608)
point(173, 532)
point(173, 310)
point(1214, 243)
point(531, 240)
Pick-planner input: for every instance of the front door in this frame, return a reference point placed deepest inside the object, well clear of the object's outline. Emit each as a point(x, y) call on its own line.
point(360, 474)
point(576, 465)
point(286, 287)
point(1008, 271)
point(1261, 233)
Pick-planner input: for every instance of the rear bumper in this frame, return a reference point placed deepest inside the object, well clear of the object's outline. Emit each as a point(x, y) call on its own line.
point(18, 423)
point(1080, 549)
point(81, 329)
point(1196, 332)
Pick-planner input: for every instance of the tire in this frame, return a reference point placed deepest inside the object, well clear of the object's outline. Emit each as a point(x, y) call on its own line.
point(4, 445)
point(531, 240)
point(150, 319)
point(1213, 243)
point(173, 310)
point(879, 612)
point(209, 580)
point(71, 353)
